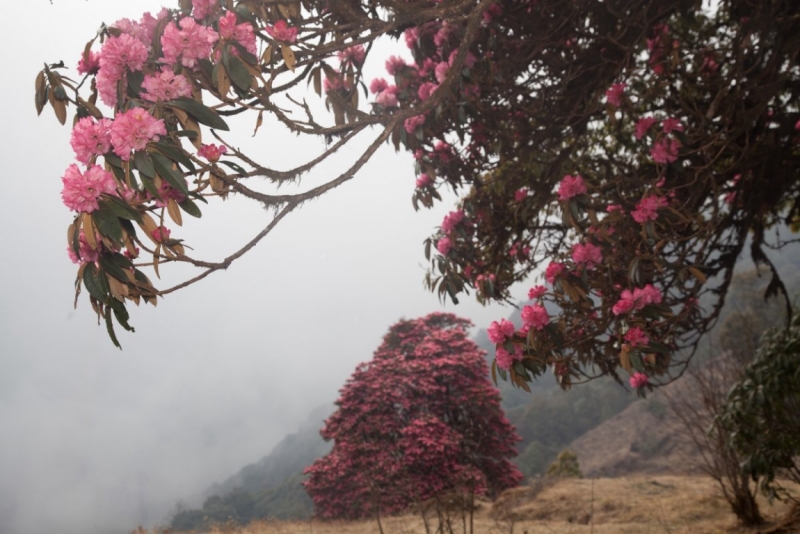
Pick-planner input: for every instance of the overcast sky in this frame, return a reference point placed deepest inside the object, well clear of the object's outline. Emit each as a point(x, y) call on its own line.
point(97, 440)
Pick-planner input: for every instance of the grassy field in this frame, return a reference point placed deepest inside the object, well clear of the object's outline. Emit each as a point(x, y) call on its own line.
point(633, 505)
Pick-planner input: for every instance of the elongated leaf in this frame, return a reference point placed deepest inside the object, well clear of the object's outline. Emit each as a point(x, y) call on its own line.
point(113, 269)
point(235, 166)
point(174, 212)
point(144, 164)
point(164, 168)
point(200, 112)
point(91, 281)
point(120, 208)
point(107, 223)
point(191, 208)
point(150, 186)
point(239, 74)
point(110, 330)
point(175, 154)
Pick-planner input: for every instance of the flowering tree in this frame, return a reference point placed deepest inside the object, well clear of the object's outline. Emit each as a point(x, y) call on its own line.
point(418, 420)
point(626, 148)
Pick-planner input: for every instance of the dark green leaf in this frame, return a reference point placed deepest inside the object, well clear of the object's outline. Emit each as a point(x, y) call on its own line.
point(164, 168)
point(120, 208)
point(236, 167)
point(91, 282)
point(143, 163)
point(110, 330)
point(175, 154)
point(200, 112)
point(191, 208)
point(150, 186)
point(239, 74)
point(113, 269)
point(107, 222)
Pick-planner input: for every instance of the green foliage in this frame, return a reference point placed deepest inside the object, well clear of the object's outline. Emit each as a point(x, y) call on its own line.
point(762, 411)
point(565, 466)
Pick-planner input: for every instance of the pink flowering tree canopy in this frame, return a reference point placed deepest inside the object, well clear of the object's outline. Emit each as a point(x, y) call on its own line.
point(628, 151)
point(418, 420)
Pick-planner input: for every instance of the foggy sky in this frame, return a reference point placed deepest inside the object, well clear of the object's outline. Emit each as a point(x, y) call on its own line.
point(97, 440)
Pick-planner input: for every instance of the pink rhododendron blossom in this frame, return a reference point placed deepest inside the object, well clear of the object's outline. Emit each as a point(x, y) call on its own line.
point(638, 380)
point(426, 90)
point(412, 123)
point(637, 299)
point(535, 316)
point(494, 10)
point(504, 358)
point(377, 85)
point(665, 150)
point(587, 254)
point(204, 8)
point(469, 60)
point(167, 192)
point(441, 71)
point(611, 208)
point(241, 33)
point(212, 152)
point(642, 125)
point(133, 129)
point(333, 82)
point(411, 35)
point(672, 124)
point(451, 220)
point(423, 180)
point(570, 187)
point(499, 332)
point(394, 64)
point(553, 271)
point(354, 54)
point(443, 34)
point(520, 194)
point(190, 43)
point(160, 234)
point(444, 245)
point(647, 208)
point(536, 292)
point(614, 94)
point(443, 151)
point(649, 294)
point(85, 253)
point(636, 337)
point(121, 53)
point(90, 138)
point(91, 66)
point(282, 32)
point(82, 190)
point(388, 97)
point(625, 304)
point(164, 86)
point(131, 255)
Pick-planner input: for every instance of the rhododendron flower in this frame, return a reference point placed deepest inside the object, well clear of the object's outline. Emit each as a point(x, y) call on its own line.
point(241, 33)
point(164, 86)
point(190, 43)
point(426, 90)
point(354, 54)
point(282, 32)
point(212, 152)
point(636, 337)
point(444, 245)
point(423, 180)
point(411, 35)
point(333, 82)
point(160, 234)
point(167, 192)
point(377, 85)
point(443, 34)
point(90, 138)
point(611, 208)
point(553, 271)
point(637, 299)
point(499, 332)
point(638, 380)
point(82, 190)
point(203, 8)
point(441, 71)
point(642, 125)
point(85, 253)
point(587, 254)
point(494, 10)
point(131, 255)
point(614, 94)
point(388, 97)
point(443, 151)
point(535, 316)
point(394, 64)
point(665, 150)
point(649, 294)
point(647, 208)
point(451, 220)
point(412, 123)
point(120, 53)
point(469, 59)
point(133, 129)
point(571, 186)
point(672, 124)
point(536, 292)
point(520, 194)
point(504, 359)
point(91, 66)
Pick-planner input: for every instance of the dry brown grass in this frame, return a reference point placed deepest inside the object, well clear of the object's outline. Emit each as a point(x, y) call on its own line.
point(633, 505)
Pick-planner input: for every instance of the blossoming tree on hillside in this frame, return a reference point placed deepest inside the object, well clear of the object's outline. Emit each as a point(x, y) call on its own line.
point(419, 420)
point(629, 149)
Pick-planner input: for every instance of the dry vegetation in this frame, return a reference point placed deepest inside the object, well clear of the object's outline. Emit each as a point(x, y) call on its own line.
point(641, 505)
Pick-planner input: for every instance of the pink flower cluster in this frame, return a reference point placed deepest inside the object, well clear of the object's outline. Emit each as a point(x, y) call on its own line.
point(536, 292)
point(505, 359)
point(665, 150)
point(423, 180)
point(133, 129)
point(355, 55)
point(500, 332)
point(204, 8)
point(118, 55)
point(160, 234)
point(189, 44)
point(553, 271)
point(92, 66)
point(164, 86)
point(212, 152)
point(82, 190)
point(90, 138)
point(638, 380)
point(444, 245)
point(647, 208)
point(282, 32)
point(614, 94)
point(241, 33)
point(570, 187)
point(451, 220)
point(412, 123)
point(86, 254)
point(636, 337)
point(534, 317)
point(587, 254)
point(636, 299)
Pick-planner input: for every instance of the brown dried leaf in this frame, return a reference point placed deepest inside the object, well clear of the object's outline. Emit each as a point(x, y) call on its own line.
point(59, 106)
point(41, 92)
point(174, 212)
point(697, 273)
point(259, 122)
point(118, 290)
point(156, 257)
point(288, 57)
point(625, 358)
point(89, 230)
point(148, 225)
point(223, 80)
